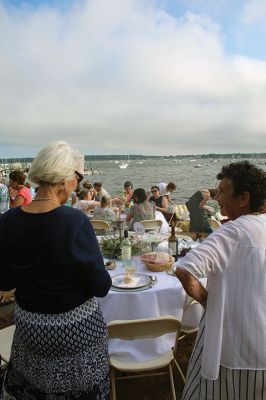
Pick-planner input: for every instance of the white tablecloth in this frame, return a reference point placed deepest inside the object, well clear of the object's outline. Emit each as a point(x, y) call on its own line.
point(167, 297)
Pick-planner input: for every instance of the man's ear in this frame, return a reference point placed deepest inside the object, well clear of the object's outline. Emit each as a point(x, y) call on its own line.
point(244, 199)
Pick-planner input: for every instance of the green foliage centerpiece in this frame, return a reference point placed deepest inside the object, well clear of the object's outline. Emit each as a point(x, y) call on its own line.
point(111, 246)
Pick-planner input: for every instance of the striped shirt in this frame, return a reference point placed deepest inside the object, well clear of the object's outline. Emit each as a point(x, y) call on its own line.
point(234, 260)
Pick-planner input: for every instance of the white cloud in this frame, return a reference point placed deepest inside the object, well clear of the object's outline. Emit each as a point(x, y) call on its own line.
point(125, 76)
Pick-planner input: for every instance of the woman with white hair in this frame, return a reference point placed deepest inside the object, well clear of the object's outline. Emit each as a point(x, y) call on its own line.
point(60, 345)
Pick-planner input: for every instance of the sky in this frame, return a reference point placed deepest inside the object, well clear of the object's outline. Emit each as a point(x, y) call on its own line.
point(151, 77)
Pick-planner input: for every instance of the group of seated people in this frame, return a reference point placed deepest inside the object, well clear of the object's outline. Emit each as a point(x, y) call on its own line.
point(97, 203)
point(140, 205)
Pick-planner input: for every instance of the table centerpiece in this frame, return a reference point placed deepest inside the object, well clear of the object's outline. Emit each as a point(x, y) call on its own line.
point(111, 246)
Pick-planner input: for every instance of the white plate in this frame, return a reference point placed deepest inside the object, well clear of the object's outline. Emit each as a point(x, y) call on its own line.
point(138, 281)
point(183, 237)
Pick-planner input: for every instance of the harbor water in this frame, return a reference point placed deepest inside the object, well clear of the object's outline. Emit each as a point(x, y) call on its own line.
point(188, 175)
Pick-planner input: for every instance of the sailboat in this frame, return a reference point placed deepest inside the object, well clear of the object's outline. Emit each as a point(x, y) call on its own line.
point(122, 165)
point(91, 170)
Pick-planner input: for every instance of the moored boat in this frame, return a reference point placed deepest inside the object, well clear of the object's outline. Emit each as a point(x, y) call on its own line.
point(122, 165)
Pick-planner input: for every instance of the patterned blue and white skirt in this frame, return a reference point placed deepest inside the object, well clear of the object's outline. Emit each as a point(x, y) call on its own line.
point(59, 356)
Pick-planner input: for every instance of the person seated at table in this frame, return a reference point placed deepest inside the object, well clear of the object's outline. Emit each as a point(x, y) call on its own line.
point(161, 203)
point(85, 202)
point(229, 359)
point(142, 209)
point(19, 193)
point(166, 189)
point(99, 191)
point(126, 196)
point(87, 184)
point(104, 211)
point(128, 186)
point(60, 345)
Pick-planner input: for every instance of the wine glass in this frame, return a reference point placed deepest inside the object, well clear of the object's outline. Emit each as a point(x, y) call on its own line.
point(131, 267)
point(145, 245)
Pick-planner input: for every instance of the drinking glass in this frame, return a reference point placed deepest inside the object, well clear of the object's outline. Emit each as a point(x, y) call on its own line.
point(145, 246)
point(131, 267)
point(163, 249)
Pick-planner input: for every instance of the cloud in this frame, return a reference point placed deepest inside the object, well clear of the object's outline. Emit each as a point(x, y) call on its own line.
point(125, 76)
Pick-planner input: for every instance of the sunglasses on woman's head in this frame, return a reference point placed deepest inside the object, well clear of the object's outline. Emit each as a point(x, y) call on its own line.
point(80, 177)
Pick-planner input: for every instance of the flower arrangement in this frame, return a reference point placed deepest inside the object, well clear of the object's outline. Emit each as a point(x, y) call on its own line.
point(111, 246)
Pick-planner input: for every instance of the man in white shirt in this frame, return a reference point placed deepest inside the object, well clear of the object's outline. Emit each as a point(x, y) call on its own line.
point(166, 189)
point(229, 358)
point(100, 191)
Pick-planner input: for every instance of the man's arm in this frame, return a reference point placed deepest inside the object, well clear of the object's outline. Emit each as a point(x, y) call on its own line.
point(192, 286)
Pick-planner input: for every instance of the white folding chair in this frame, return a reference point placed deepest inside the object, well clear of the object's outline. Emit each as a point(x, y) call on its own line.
point(6, 338)
point(152, 224)
point(192, 312)
point(142, 329)
point(214, 224)
point(100, 226)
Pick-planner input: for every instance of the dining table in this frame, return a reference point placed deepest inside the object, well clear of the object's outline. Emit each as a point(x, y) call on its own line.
point(161, 295)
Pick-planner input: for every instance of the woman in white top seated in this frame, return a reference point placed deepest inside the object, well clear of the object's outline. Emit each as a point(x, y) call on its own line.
point(229, 358)
point(85, 203)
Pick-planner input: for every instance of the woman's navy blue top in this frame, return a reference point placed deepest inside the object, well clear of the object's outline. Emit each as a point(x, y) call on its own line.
point(52, 259)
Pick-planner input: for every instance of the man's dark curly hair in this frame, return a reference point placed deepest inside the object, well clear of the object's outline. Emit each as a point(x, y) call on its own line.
point(246, 177)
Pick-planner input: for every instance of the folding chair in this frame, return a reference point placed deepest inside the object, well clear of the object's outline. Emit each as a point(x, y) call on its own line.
point(214, 224)
point(191, 312)
point(152, 224)
point(100, 226)
point(6, 338)
point(142, 329)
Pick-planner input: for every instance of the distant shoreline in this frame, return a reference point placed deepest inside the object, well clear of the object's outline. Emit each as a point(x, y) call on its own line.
point(125, 157)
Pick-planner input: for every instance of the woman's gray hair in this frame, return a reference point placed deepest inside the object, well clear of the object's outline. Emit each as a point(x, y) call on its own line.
point(83, 193)
point(55, 163)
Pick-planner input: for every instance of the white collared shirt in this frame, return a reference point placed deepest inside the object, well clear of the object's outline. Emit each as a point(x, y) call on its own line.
point(234, 260)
